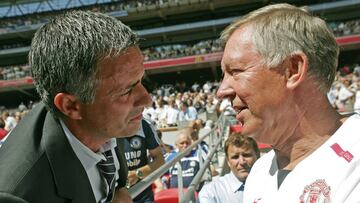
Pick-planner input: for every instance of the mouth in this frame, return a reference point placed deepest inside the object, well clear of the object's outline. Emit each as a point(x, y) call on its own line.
point(137, 117)
point(243, 170)
point(240, 114)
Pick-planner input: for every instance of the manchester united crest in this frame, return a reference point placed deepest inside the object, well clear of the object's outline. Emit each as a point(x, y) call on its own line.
point(316, 192)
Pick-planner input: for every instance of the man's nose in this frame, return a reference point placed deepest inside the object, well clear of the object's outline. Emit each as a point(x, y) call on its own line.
point(225, 91)
point(144, 98)
point(242, 160)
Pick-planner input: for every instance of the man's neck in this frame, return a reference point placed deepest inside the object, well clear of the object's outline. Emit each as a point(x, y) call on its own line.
point(86, 138)
point(316, 125)
point(289, 158)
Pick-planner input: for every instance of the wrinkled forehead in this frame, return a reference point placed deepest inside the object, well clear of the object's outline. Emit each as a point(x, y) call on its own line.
point(244, 148)
point(238, 46)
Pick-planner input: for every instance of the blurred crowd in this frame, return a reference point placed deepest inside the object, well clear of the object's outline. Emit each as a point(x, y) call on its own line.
point(11, 117)
point(14, 72)
point(36, 18)
point(154, 53)
point(11, 23)
point(344, 94)
point(339, 28)
point(345, 28)
point(173, 106)
point(177, 105)
point(180, 50)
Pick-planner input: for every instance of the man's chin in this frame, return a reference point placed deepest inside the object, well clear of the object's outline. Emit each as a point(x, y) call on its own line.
point(242, 177)
point(130, 130)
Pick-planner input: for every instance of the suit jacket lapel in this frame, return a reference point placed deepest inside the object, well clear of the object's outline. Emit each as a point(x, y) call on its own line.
point(70, 177)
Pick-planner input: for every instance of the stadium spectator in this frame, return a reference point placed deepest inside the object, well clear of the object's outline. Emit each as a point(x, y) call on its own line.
point(150, 114)
point(190, 164)
point(188, 111)
point(138, 149)
point(10, 121)
point(161, 183)
point(199, 103)
point(195, 87)
point(357, 70)
point(240, 154)
point(357, 99)
point(191, 112)
point(87, 69)
point(160, 112)
point(3, 132)
point(211, 105)
point(345, 96)
point(207, 87)
point(194, 130)
point(172, 114)
point(277, 78)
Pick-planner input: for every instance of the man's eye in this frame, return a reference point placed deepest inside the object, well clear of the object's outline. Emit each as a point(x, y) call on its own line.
point(235, 72)
point(129, 90)
point(247, 155)
point(235, 157)
point(126, 92)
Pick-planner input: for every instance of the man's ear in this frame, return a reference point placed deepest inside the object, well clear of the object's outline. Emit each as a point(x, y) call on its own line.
point(69, 105)
point(296, 69)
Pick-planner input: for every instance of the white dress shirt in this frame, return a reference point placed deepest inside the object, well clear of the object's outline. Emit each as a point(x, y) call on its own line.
point(89, 159)
point(225, 189)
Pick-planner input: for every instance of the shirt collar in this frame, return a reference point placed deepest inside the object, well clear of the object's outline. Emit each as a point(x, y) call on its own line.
point(87, 157)
point(140, 132)
point(234, 182)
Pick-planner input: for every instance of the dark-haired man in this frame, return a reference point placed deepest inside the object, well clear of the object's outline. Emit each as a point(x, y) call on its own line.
point(241, 153)
point(87, 69)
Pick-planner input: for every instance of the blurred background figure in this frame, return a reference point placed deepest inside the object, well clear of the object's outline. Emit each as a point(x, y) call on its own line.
point(144, 155)
point(3, 132)
point(190, 164)
point(241, 153)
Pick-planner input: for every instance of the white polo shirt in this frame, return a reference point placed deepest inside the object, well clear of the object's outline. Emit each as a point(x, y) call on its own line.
point(329, 174)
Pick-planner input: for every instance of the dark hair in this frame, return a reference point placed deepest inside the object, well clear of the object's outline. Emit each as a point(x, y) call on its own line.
point(65, 53)
point(239, 140)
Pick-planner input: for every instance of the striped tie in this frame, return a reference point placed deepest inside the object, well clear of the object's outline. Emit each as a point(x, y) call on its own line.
point(107, 170)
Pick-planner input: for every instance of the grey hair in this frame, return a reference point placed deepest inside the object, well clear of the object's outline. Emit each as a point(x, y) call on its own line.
point(281, 30)
point(65, 53)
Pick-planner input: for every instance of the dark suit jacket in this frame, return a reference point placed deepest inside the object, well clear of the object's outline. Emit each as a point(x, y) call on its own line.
point(38, 165)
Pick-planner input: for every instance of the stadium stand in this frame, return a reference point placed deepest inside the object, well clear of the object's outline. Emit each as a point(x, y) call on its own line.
point(180, 38)
point(181, 51)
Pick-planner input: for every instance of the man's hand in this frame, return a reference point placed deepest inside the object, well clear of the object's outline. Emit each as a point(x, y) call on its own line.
point(122, 196)
point(132, 178)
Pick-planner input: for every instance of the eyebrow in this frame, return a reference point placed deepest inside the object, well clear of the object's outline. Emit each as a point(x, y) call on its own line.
point(115, 90)
point(133, 85)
